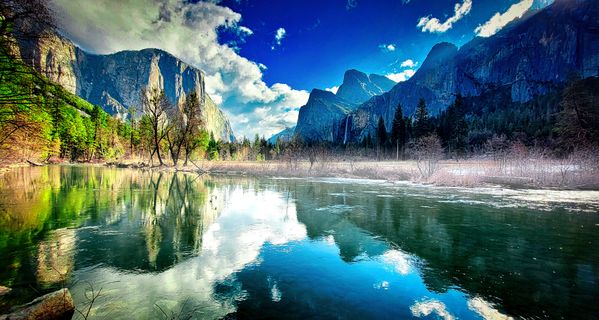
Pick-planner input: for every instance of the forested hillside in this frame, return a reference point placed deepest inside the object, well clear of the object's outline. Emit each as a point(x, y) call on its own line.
point(40, 120)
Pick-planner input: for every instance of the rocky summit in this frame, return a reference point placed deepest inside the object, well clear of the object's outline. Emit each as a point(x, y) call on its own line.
point(325, 116)
point(321, 117)
point(358, 87)
point(114, 81)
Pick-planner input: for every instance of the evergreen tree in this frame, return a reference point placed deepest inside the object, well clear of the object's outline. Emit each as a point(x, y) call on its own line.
point(398, 130)
point(213, 148)
point(422, 121)
point(381, 135)
point(579, 118)
point(460, 126)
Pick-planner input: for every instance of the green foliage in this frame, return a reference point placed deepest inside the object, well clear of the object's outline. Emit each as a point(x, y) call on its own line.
point(213, 148)
point(43, 117)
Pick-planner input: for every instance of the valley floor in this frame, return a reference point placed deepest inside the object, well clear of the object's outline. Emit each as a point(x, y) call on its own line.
point(517, 173)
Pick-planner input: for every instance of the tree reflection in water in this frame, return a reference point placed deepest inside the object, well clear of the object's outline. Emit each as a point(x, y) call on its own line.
point(214, 246)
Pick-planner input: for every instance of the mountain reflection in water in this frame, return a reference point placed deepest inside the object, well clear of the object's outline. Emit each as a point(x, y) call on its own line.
point(214, 247)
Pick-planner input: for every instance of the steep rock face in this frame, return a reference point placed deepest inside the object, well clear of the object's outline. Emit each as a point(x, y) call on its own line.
point(284, 136)
point(53, 56)
point(529, 57)
point(358, 87)
point(535, 54)
point(115, 81)
point(320, 119)
point(434, 82)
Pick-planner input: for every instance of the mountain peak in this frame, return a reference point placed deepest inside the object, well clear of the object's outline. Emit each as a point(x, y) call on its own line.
point(358, 87)
point(439, 54)
point(321, 94)
point(353, 74)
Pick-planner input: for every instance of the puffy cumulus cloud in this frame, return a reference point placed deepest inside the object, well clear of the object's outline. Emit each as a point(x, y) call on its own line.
point(435, 25)
point(332, 89)
point(500, 20)
point(409, 64)
point(401, 76)
point(387, 47)
point(271, 118)
point(187, 30)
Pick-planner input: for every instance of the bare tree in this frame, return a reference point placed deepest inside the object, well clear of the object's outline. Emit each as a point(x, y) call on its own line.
point(185, 126)
point(156, 106)
point(497, 146)
point(428, 152)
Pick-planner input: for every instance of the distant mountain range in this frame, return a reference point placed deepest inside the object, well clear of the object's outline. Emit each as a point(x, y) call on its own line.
point(320, 119)
point(114, 81)
point(530, 57)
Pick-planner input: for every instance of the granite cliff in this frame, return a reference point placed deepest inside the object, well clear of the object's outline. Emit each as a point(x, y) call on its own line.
point(325, 115)
point(114, 81)
point(532, 56)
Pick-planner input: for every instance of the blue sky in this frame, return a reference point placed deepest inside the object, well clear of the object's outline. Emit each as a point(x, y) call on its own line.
point(263, 57)
point(325, 38)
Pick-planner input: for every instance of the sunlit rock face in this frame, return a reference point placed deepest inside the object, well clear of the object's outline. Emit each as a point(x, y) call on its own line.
point(530, 57)
point(114, 81)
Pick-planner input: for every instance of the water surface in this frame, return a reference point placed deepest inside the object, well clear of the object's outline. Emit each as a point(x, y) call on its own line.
point(164, 244)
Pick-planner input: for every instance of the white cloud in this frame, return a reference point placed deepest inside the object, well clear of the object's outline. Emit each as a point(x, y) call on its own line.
point(332, 89)
point(188, 31)
point(246, 30)
point(262, 66)
point(409, 64)
point(268, 119)
point(401, 76)
point(387, 47)
point(279, 35)
point(500, 20)
point(435, 25)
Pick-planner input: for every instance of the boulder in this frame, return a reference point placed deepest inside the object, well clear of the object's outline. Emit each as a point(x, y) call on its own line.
point(4, 290)
point(55, 305)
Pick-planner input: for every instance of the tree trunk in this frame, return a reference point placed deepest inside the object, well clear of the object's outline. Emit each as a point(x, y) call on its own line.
point(157, 144)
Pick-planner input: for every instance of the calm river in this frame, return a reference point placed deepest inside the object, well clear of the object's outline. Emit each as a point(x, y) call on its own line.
point(173, 245)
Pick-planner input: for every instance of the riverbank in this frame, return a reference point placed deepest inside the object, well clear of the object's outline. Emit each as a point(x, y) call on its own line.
point(515, 173)
point(522, 173)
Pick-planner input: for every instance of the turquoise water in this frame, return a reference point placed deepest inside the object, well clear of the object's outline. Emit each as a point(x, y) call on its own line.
point(166, 245)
